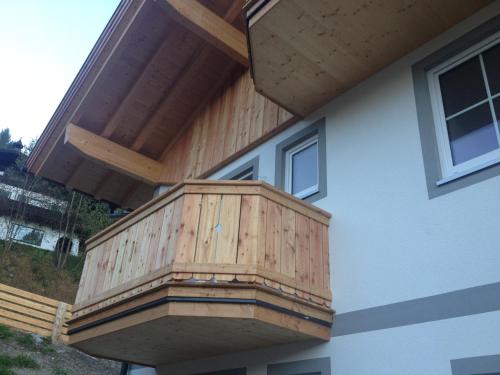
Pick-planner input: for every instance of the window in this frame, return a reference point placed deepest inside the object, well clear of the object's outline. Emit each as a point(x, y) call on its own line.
point(301, 169)
point(465, 94)
point(315, 366)
point(247, 171)
point(465, 155)
point(28, 235)
point(301, 163)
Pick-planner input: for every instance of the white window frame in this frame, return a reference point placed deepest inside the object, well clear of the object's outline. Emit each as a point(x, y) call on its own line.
point(16, 229)
point(288, 167)
point(450, 171)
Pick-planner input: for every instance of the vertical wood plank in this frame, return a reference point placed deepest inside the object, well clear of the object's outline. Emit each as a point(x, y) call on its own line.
point(207, 235)
point(288, 245)
point(174, 231)
point(270, 116)
point(153, 250)
point(102, 265)
point(302, 253)
point(83, 279)
point(165, 233)
point(316, 258)
point(227, 241)
point(143, 249)
point(251, 232)
point(114, 248)
point(120, 246)
point(188, 230)
point(273, 240)
point(326, 258)
point(135, 247)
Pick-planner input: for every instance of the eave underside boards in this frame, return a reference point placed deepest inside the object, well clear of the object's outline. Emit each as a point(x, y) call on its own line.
point(305, 53)
point(134, 95)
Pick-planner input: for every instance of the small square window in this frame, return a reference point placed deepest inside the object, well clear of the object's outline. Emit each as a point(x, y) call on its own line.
point(301, 163)
point(465, 92)
point(301, 169)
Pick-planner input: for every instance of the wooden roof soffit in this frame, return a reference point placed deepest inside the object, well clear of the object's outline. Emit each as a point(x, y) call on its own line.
point(113, 155)
point(209, 26)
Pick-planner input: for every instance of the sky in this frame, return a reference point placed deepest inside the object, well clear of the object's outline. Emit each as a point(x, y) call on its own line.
point(43, 44)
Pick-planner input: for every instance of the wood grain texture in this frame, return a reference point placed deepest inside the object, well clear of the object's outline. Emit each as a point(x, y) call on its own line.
point(34, 313)
point(234, 121)
point(212, 231)
point(305, 53)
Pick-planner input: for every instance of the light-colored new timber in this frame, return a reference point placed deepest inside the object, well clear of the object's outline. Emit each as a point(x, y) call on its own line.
point(305, 53)
point(210, 27)
point(113, 155)
point(207, 250)
point(34, 313)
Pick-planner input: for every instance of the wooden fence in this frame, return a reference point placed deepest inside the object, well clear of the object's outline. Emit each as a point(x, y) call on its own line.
point(34, 313)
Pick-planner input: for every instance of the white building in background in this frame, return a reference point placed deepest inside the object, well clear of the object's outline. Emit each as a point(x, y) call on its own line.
point(31, 232)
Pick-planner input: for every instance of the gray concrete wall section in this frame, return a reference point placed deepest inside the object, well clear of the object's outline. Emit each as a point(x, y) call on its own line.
point(485, 365)
point(459, 303)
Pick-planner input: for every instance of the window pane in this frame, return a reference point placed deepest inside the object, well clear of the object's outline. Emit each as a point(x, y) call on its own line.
point(491, 60)
point(472, 134)
point(462, 86)
point(305, 168)
point(496, 104)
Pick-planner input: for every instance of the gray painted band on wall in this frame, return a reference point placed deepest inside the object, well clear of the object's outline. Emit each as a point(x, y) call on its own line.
point(425, 116)
point(319, 366)
point(485, 365)
point(476, 300)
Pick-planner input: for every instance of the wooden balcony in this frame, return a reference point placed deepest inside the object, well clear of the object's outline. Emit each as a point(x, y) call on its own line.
point(211, 267)
point(305, 53)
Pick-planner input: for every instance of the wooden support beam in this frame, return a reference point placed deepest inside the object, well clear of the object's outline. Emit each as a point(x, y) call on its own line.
point(113, 155)
point(209, 26)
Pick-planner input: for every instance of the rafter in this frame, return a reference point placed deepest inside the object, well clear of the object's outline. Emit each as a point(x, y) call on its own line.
point(113, 155)
point(209, 26)
point(146, 131)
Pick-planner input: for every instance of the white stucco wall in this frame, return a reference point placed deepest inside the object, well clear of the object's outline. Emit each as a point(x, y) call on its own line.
point(50, 236)
point(388, 241)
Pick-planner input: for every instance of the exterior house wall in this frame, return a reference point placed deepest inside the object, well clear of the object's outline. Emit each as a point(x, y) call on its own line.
point(415, 279)
point(50, 236)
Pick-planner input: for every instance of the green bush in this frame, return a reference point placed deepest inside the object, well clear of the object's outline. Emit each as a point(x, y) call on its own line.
point(5, 333)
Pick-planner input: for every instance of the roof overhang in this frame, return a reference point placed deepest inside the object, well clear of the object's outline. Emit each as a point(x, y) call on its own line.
point(155, 66)
point(305, 53)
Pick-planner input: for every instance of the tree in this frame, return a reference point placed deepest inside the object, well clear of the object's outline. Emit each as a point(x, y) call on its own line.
point(5, 138)
point(78, 214)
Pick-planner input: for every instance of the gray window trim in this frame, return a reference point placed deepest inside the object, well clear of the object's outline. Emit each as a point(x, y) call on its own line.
point(252, 164)
point(319, 366)
point(317, 128)
point(485, 365)
point(425, 116)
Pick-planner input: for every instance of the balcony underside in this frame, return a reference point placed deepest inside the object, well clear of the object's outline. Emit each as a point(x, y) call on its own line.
point(211, 267)
point(305, 53)
point(185, 321)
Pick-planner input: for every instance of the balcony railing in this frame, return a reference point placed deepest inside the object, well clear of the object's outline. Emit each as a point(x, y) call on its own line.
point(215, 266)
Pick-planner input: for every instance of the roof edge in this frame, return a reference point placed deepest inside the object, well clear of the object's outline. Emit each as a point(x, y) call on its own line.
point(89, 64)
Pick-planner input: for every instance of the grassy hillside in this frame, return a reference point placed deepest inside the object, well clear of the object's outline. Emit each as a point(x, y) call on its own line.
point(27, 354)
point(31, 269)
